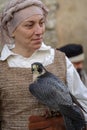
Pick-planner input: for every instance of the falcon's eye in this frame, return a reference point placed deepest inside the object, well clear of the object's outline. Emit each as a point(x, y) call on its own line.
point(40, 69)
point(32, 69)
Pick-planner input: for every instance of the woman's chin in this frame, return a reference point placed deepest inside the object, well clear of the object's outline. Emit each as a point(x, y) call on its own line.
point(37, 46)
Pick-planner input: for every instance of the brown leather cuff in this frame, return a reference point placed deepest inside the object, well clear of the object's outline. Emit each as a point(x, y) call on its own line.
point(42, 123)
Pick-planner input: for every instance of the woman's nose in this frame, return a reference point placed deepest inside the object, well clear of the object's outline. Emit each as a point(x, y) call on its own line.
point(38, 29)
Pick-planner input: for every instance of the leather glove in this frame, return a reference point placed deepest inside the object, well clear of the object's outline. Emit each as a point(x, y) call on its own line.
point(43, 123)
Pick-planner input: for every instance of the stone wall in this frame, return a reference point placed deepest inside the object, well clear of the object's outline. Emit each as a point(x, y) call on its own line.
point(72, 23)
point(69, 23)
point(51, 37)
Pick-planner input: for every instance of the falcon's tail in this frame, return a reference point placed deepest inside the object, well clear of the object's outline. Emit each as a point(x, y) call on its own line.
point(74, 118)
point(68, 123)
point(72, 125)
point(77, 103)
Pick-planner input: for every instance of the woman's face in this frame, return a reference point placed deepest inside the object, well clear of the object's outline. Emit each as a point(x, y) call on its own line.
point(29, 34)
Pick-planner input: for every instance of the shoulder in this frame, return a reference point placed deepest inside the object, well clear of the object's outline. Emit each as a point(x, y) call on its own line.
point(3, 64)
point(60, 57)
point(60, 54)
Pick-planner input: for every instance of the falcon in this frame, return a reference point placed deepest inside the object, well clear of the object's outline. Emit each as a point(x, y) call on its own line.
point(52, 92)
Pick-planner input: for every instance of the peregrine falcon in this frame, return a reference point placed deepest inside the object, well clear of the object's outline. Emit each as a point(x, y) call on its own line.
point(52, 92)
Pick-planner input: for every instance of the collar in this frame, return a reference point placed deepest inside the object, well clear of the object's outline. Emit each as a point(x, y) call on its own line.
point(6, 51)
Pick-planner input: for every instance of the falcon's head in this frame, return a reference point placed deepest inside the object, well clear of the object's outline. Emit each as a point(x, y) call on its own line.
point(37, 70)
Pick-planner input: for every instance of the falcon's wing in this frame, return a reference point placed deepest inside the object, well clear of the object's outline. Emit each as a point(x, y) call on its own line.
point(49, 92)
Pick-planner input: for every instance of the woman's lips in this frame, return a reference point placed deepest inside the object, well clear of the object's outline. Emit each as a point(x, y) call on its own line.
point(37, 39)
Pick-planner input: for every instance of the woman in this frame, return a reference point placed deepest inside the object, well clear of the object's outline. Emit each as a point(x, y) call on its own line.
point(22, 29)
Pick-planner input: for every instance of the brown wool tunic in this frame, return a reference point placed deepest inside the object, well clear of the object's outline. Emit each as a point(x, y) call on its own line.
point(16, 102)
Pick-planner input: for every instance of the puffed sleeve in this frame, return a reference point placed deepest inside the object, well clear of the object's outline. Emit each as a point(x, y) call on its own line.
point(76, 86)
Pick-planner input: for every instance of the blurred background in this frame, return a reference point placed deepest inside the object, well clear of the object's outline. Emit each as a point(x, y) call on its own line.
point(67, 23)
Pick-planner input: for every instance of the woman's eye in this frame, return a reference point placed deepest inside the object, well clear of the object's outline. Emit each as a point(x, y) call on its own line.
point(42, 23)
point(28, 25)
